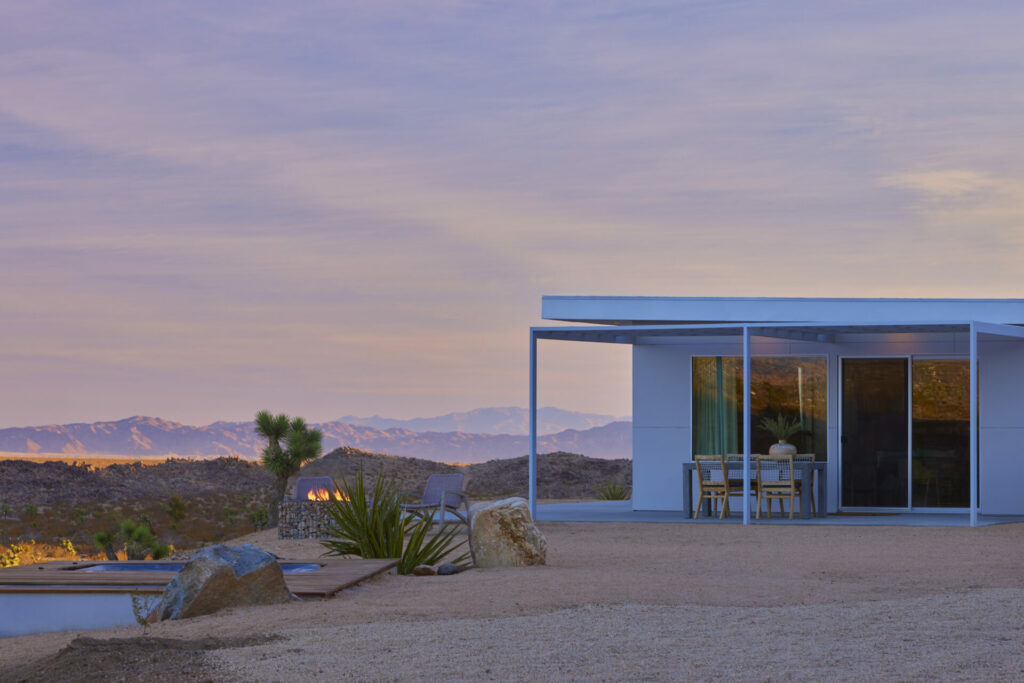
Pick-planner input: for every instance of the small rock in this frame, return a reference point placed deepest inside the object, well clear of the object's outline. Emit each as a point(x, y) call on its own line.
point(448, 568)
point(424, 570)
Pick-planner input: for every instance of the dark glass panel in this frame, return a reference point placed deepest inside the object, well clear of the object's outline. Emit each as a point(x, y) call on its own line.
point(874, 440)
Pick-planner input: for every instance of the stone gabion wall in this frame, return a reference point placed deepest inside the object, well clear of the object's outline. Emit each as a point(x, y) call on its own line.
point(302, 519)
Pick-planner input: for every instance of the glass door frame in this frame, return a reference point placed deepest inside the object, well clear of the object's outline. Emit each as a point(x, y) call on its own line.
point(910, 436)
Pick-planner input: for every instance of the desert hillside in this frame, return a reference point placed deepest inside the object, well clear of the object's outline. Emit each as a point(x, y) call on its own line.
point(63, 504)
point(560, 475)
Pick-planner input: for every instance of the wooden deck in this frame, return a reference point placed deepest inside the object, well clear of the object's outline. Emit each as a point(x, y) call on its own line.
point(334, 575)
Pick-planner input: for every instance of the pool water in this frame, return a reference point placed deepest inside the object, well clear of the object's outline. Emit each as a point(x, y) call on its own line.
point(286, 567)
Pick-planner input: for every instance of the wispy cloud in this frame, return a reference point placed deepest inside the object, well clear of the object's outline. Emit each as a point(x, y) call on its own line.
point(370, 198)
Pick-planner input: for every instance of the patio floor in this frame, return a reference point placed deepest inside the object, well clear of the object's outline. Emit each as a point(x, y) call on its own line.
point(621, 511)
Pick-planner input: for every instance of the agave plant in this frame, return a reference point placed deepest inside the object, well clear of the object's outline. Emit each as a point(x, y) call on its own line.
point(613, 490)
point(781, 427)
point(375, 526)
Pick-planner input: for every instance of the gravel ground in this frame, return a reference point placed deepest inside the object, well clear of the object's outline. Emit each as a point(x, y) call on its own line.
point(632, 601)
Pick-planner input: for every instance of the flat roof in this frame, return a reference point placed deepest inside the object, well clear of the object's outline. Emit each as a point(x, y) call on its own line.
point(812, 332)
point(644, 310)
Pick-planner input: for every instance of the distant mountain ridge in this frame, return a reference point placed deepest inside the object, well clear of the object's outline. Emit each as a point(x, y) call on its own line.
point(148, 436)
point(509, 420)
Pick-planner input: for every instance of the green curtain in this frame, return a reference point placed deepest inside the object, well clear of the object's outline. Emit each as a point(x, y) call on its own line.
point(716, 409)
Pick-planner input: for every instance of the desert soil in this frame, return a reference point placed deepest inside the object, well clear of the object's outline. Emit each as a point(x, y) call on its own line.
point(615, 601)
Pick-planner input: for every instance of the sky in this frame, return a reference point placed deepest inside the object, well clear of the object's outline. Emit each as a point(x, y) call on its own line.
point(331, 208)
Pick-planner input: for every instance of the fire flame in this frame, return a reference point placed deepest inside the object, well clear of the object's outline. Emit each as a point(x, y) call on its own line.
point(324, 494)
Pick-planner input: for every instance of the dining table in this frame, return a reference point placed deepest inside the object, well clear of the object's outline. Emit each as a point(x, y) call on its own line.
point(806, 469)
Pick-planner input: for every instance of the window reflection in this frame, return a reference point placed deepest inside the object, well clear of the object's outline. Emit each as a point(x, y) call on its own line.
point(793, 386)
point(941, 433)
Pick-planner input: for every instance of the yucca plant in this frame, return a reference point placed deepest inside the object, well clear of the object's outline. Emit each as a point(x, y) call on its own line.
point(781, 427)
point(374, 526)
point(419, 549)
point(613, 490)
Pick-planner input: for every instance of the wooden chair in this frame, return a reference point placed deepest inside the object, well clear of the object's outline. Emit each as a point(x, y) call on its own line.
point(776, 481)
point(442, 487)
point(715, 484)
point(808, 457)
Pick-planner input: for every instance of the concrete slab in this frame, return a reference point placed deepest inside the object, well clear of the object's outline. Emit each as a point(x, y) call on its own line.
point(622, 511)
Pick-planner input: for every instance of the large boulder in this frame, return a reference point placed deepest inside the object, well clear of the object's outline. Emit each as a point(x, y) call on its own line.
point(221, 576)
point(503, 534)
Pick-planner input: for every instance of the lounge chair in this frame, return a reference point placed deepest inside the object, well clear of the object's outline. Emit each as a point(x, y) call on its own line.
point(446, 487)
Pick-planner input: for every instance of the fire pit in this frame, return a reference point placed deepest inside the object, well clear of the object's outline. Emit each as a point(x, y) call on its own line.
point(306, 515)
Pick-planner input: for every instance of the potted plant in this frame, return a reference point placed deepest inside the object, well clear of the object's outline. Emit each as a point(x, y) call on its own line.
point(781, 427)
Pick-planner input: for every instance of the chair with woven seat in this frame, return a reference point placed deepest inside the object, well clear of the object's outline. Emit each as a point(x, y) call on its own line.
point(442, 487)
point(715, 484)
point(776, 481)
point(807, 457)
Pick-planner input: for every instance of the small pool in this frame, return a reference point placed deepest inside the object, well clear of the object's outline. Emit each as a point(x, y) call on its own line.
point(286, 567)
point(107, 597)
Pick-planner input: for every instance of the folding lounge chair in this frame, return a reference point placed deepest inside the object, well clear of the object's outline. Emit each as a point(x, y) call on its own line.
point(446, 487)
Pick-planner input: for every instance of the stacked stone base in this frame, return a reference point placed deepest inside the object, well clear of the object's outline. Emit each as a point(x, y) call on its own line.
point(302, 519)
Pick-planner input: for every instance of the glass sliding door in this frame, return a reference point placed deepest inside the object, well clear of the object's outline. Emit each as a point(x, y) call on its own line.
point(874, 441)
point(940, 465)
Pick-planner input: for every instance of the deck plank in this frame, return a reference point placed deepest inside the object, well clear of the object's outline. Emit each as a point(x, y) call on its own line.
point(335, 575)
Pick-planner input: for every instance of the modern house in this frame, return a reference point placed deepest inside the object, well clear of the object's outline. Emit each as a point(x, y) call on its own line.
point(914, 404)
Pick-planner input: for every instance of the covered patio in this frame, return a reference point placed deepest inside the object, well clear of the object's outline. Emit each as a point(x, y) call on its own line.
point(622, 511)
point(663, 360)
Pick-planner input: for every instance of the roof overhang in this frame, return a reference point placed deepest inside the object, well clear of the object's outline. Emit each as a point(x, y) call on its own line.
point(624, 310)
point(810, 332)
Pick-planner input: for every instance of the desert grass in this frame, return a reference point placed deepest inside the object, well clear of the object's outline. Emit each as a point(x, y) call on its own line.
point(95, 460)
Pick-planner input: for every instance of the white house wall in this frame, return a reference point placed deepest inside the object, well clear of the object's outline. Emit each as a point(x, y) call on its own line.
point(662, 415)
point(1001, 426)
point(661, 426)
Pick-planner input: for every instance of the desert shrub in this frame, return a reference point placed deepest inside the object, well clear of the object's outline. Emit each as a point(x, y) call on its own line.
point(9, 558)
point(80, 515)
point(229, 514)
point(258, 519)
point(374, 526)
point(175, 509)
point(20, 553)
point(613, 490)
point(135, 538)
point(5, 510)
point(30, 511)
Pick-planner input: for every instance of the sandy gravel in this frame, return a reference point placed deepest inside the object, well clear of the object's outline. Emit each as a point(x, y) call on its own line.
point(643, 601)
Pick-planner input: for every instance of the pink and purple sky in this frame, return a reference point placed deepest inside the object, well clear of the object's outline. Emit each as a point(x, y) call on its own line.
point(329, 208)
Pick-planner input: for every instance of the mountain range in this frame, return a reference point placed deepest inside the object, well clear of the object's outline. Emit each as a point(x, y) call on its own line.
point(152, 436)
point(509, 420)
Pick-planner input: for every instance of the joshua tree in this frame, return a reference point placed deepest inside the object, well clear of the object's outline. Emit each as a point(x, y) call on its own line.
point(300, 444)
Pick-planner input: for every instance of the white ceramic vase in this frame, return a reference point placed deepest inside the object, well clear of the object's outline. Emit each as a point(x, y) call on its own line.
point(782, 448)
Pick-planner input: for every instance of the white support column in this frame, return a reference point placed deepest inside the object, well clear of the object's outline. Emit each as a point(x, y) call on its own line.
point(974, 425)
point(746, 425)
point(533, 424)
